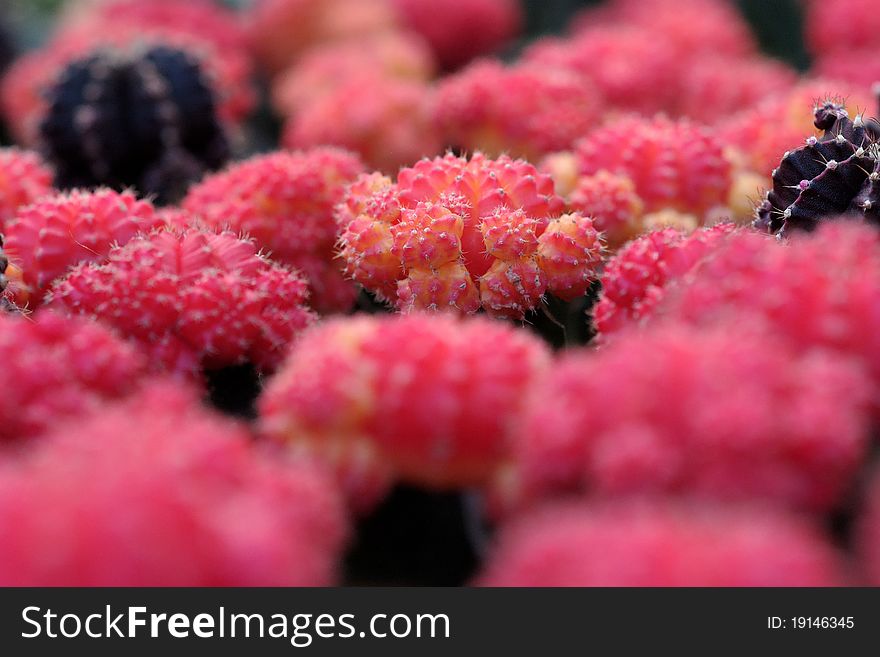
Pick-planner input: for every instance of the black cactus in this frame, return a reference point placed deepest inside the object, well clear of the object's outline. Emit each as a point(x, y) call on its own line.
point(145, 120)
point(837, 174)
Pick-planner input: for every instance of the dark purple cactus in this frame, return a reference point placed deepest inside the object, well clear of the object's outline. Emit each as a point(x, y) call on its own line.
point(146, 120)
point(837, 174)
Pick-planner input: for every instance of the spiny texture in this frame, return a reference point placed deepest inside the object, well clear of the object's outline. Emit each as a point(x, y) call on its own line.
point(722, 415)
point(191, 300)
point(837, 173)
point(7, 272)
point(662, 545)
point(57, 232)
point(159, 492)
point(569, 254)
point(525, 111)
point(817, 290)
point(396, 55)
point(7, 44)
point(463, 233)
point(630, 68)
point(459, 30)
point(4, 265)
point(201, 28)
point(868, 533)
point(763, 141)
point(284, 201)
point(145, 120)
point(692, 27)
point(58, 369)
point(610, 200)
point(634, 278)
point(24, 178)
point(281, 31)
point(428, 399)
point(673, 164)
point(385, 120)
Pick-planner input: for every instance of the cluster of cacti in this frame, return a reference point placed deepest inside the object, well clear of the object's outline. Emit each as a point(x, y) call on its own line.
point(669, 240)
point(192, 299)
point(60, 230)
point(87, 478)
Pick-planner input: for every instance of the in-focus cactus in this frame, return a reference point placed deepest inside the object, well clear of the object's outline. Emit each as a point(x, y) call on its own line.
point(142, 118)
point(460, 234)
point(61, 230)
point(832, 175)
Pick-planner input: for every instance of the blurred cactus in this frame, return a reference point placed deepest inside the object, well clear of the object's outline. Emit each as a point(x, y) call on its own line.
point(145, 119)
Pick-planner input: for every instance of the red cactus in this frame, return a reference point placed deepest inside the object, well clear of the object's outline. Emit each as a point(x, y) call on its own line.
point(429, 399)
point(504, 205)
point(157, 492)
point(635, 277)
point(662, 545)
point(280, 31)
point(396, 55)
point(692, 27)
point(630, 68)
point(673, 164)
point(385, 120)
point(526, 111)
point(678, 410)
point(284, 201)
point(610, 200)
point(60, 231)
point(459, 30)
point(191, 299)
point(59, 369)
point(818, 290)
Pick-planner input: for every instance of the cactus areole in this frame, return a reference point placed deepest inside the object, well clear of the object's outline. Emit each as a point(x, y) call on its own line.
point(837, 174)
